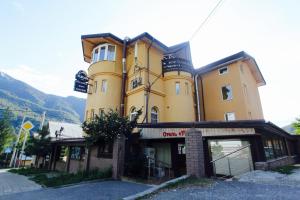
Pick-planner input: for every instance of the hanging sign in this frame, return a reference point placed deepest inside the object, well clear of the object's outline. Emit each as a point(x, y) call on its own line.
point(81, 82)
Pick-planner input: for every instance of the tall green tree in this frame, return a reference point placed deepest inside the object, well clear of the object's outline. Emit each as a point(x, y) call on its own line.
point(7, 134)
point(105, 128)
point(39, 145)
point(296, 125)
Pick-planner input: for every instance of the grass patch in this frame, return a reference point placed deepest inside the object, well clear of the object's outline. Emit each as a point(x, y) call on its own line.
point(185, 183)
point(65, 179)
point(28, 171)
point(288, 169)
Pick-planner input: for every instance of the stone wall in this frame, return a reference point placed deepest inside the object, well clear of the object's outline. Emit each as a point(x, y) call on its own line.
point(98, 163)
point(194, 153)
point(274, 163)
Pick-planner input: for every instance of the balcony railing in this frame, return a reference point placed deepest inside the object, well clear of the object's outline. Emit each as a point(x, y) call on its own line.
point(176, 64)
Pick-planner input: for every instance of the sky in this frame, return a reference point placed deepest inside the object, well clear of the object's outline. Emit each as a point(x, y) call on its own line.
point(40, 40)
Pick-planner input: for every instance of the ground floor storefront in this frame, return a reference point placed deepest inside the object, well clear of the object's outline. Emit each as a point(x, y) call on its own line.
point(167, 150)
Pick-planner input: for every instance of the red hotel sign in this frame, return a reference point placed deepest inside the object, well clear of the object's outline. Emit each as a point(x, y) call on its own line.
point(181, 133)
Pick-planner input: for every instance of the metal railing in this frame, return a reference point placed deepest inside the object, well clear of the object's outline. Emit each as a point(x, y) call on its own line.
point(157, 165)
point(226, 159)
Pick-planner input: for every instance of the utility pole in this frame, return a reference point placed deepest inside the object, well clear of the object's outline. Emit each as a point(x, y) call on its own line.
point(13, 157)
point(43, 120)
point(23, 147)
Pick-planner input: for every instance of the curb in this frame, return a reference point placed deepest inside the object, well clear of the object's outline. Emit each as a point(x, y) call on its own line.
point(155, 188)
point(83, 182)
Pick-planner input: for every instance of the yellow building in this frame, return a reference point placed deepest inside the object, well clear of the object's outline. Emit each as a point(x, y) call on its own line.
point(160, 80)
point(214, 110)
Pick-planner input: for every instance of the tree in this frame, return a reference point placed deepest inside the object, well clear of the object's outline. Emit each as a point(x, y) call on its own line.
point(39, 145)
point(7, 134)
point(104, 129)
point(296, 125)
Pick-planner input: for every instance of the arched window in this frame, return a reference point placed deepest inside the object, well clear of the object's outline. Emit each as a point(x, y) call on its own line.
point(133, 113)
point(154, 115)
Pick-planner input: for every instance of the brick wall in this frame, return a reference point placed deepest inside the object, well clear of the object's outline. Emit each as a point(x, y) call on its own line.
point(194, 153)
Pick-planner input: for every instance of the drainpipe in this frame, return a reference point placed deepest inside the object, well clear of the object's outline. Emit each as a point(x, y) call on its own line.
point(124, 75)
point(148, 81)
point(197, 97)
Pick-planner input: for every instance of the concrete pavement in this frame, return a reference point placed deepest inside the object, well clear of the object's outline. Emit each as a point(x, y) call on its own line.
point(97, 190)
point(14, 183)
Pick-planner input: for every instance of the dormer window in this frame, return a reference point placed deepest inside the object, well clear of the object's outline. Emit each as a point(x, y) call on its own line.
point(104, 52)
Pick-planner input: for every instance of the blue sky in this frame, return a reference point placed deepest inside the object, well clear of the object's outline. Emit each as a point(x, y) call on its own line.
point(40, 40)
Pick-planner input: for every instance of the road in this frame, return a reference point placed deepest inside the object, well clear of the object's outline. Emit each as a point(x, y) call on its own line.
point(234, 190)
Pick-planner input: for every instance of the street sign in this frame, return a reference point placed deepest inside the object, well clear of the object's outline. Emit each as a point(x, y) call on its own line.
point(27, 126)
point(80, 86)
point(81, 82)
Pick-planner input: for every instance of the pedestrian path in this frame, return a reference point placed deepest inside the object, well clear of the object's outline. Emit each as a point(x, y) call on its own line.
point(13, 183)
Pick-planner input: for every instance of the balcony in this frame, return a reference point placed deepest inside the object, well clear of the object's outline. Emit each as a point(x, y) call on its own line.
point(176, 64)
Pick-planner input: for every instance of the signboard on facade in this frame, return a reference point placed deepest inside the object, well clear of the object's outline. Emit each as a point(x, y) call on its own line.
point(81, 82)
point(163, 133)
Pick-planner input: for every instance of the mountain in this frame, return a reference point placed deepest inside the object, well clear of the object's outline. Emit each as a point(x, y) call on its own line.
point(290, 129)
point(18, 95)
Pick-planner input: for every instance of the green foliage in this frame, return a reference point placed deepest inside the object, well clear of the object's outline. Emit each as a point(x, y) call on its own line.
point(288, 169)
point(39, 145)
point(28, 171)
point(64, 179)
point(7, 135)
point(105, 128)
point(296, 125)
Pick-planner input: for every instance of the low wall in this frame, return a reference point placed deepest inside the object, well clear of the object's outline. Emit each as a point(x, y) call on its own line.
point(76, 166)
point(61, 166)
point(274, 163)
point(99, 163)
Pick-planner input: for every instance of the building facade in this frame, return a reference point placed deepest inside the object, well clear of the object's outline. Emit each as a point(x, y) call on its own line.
point(220, 100)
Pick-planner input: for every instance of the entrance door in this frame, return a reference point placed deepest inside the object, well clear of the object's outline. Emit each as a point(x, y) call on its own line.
point(230, 163)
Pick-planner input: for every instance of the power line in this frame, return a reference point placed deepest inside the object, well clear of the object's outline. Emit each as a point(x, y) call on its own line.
point(206, 19)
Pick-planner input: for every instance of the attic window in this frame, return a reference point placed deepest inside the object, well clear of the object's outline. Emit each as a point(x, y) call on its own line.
point(223, 70)
point(104, 52)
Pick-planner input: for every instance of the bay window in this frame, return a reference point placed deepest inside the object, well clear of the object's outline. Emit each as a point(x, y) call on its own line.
point(104, 52)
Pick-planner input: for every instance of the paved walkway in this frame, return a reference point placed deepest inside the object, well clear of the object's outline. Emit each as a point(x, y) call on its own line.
point(234, 190)
point(13, 183)
point(97, 190)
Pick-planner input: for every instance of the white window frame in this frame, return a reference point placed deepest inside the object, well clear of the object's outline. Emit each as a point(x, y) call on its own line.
point(187, 88)
point(227, 118)
point(227, 69)
point(105, 52)
point(154, 108)
point(133, 113)
point(231, 93)
point(177, 84)
point(104, 86)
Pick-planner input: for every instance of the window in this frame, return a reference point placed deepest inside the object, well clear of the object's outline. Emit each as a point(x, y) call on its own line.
point(104, 52)
point(181, 149)
point(223, 70)
point(230, 116)
point(186, 85)
point(92, 114)
point(95, 86)
point(154, 115)
point(111, 53)
point(62, 155)
point(227, 92)
point(133, 113)
point(86, 115)
point(104, 86)
point(105, 151)
point(177, 88)
point(77, 153)
point(274, 147)
point(242, 68)
point(101, 112)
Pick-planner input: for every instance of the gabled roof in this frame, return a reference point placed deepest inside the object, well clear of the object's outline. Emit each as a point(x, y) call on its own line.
point(91, 40)
point(234, 58)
